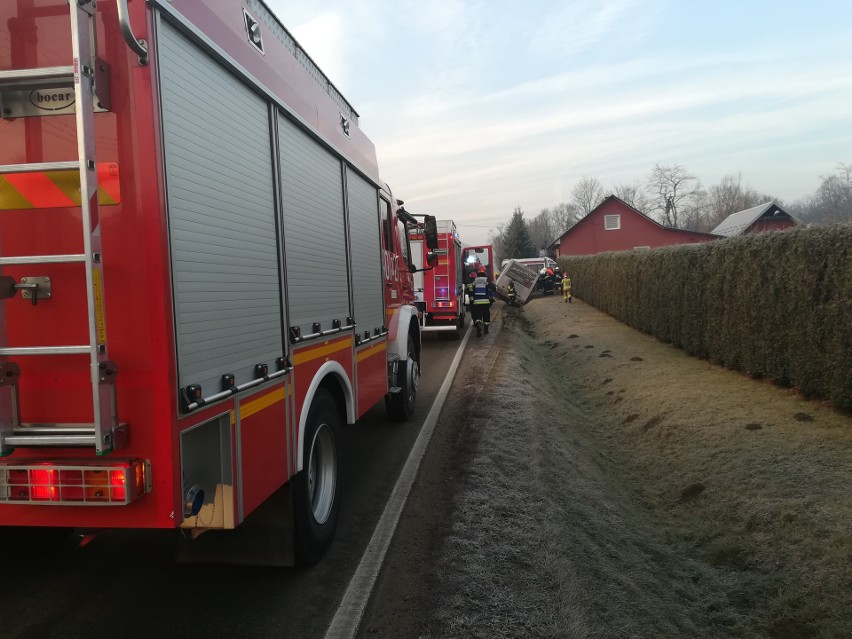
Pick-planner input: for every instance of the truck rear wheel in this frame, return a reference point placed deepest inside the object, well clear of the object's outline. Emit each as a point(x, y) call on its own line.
point(315, 488)
point(401, 405)
point(459, 325)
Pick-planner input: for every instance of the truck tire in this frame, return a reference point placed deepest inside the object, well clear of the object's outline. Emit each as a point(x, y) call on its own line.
point(401, 405)
point(459, 326)
point(316, 503)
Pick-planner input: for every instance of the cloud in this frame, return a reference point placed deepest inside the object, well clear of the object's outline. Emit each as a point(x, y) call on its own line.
point(488, 124)
point(478, 106)
point(570, 27)
point(323, 38)
point(485, 155)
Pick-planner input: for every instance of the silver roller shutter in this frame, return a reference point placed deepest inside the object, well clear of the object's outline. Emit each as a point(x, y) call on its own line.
point(314, 231)
point(366, 252)
point(221, 204)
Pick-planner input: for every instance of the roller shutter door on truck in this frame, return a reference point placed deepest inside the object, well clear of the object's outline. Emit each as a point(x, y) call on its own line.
point(366, 251)
point(221, 206)
point(314, 231)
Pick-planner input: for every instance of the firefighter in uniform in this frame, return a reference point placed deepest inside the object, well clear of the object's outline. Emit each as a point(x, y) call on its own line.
point(566, 287)
point(468, 289)
point(481, 301)
point(511, 293)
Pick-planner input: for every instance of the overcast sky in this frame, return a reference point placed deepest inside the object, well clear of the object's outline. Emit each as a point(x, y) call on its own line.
point(479, 106)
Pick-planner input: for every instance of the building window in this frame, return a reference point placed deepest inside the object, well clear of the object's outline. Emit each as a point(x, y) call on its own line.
point(612, 222)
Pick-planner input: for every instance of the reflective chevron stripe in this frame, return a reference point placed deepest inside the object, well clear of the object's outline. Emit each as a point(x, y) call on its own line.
point(52, 189)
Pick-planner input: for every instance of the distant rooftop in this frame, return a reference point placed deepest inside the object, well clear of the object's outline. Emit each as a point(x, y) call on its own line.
point(738, 223)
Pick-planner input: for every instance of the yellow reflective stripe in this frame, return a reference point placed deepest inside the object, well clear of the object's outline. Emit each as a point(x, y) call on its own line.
point(11, 198)
point(69, 183)
point(51, 189)
point(97, 284)
point(371, 350)
point(313, 353)
point(256, 405)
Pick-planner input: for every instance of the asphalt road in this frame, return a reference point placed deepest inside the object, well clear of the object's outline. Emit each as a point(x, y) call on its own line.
point(127, 584)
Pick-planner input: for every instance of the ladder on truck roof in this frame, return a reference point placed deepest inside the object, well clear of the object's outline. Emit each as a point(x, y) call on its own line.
point(105, 433)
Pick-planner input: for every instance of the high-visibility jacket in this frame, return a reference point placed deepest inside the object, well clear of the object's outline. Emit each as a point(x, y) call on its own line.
point(481, 291)
point(566, 283)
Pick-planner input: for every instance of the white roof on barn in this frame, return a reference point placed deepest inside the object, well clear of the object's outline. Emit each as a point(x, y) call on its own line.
point(737, 223)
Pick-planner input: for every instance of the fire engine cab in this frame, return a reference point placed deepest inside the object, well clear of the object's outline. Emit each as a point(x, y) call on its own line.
point(439, 287)
point(476, 258)
point(171, 355)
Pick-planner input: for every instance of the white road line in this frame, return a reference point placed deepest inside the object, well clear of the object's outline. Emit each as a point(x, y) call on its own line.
point(348, 617)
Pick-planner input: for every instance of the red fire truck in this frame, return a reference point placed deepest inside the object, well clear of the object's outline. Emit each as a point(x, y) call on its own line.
point(439, 289)
point(474, 257)
point(203, 276)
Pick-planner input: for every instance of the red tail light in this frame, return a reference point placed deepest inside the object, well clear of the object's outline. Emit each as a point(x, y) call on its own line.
point(74, 482)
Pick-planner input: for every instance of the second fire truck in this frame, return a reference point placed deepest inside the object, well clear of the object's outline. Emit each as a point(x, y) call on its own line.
point(439, 289)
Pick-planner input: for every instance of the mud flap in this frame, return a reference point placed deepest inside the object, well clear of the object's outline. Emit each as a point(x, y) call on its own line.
point(265, 538)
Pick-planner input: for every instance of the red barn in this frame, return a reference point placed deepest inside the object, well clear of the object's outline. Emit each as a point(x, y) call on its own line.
point(614, 225)
point(763, 217)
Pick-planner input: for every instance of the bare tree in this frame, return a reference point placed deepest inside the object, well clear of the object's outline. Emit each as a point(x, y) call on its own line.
point(694, 213)
point(495, 239)
point(834, 196)
point(565, 216)
point(634, 195)
point(832, 201)
point(844, 173)
point(727, 197)
point(673, 189)
point(543, 229)
point(587, 194)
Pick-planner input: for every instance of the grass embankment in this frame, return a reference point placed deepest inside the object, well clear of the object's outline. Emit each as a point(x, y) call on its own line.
point(646, 493)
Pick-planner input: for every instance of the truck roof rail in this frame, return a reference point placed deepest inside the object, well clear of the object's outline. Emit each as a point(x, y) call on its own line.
point(265, 15)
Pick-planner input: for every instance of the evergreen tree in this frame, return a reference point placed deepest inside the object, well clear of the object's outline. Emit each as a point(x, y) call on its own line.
point(516, 238)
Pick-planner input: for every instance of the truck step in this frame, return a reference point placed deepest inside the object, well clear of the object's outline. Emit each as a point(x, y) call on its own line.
point(38, 167)
point(43, 259)
point(45, 350)
point(43, 435)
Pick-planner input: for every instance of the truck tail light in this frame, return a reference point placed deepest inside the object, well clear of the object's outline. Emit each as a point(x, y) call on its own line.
point(74, 482)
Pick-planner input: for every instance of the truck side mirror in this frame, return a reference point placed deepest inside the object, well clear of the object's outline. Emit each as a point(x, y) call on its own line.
point(430, 232)
point(431, 258)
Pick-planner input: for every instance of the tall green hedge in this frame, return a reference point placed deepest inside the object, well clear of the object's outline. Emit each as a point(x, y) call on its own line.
point(775, 305)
